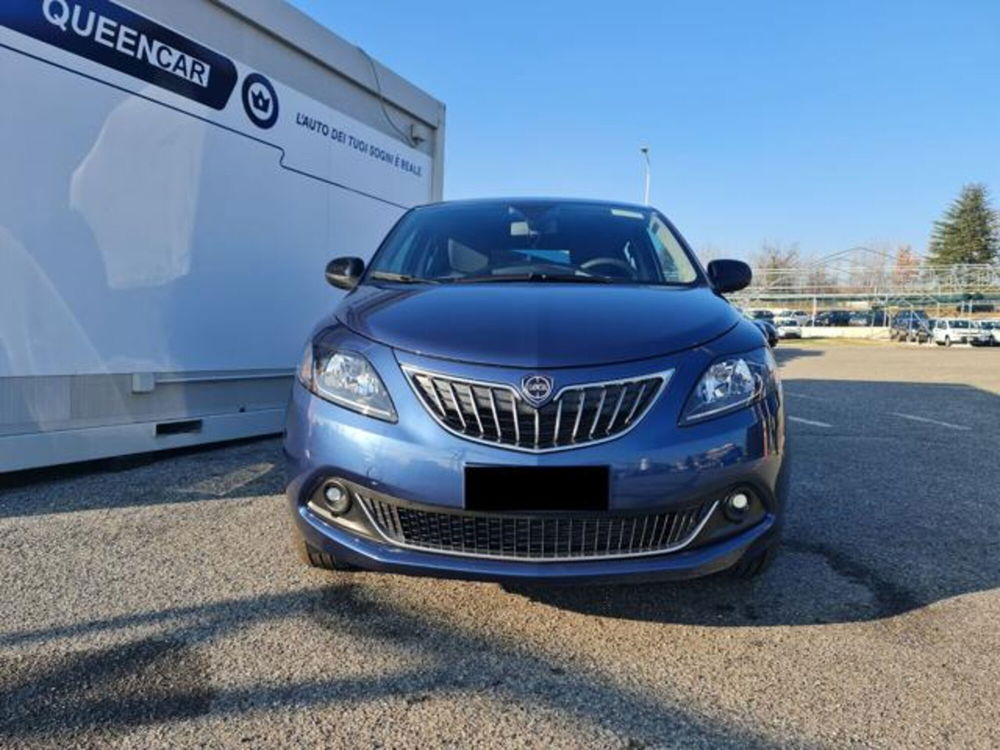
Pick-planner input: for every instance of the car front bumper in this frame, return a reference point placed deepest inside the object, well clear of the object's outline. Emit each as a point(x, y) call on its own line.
point(657, 467)
point(369, 554)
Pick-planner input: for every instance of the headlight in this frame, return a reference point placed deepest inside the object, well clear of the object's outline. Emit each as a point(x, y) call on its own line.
point(345, 378)
point(729, 384)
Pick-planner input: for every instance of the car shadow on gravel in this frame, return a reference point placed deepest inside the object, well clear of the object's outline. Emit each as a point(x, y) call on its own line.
point(886, 514)
point(786, 352)
point(99, 695)
point(245, 468)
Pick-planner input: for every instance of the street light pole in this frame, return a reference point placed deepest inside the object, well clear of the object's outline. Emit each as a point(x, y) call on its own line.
point(645, 154)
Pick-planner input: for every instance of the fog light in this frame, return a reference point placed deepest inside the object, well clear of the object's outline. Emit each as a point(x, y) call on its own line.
point(736, 506)
point(337, 498)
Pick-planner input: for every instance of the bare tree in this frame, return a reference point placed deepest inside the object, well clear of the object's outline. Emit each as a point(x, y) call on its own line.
point(776, 256)
point(819, 280)
point(906, 267)
point(868, 267)
point(775, 266)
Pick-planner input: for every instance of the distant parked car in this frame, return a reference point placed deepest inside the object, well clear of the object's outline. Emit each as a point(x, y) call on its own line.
point(921, 333)
point(910, 325)
point(979, 335)
point(832, 318)
point(948, 331)
point(759, 315)
point(860, 319)
point(993, 328)
point(788, 328)
point(975, 307)
point(871, 318)
point(801, 316)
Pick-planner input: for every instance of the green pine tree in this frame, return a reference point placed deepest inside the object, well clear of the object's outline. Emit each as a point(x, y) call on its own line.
point(968, 232)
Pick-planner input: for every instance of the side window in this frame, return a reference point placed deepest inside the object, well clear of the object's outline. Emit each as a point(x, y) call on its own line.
point(673, 260)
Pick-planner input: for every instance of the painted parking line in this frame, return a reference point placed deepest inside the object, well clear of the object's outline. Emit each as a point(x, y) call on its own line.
point(938, 422)
point(812, 422)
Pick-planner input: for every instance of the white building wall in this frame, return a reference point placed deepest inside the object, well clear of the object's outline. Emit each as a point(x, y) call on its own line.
point(161, 258)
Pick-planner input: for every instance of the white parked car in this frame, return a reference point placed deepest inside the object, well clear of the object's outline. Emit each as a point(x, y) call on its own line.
point(948, 331)
point(788, 328)
point(992, 327)
point(800, 316)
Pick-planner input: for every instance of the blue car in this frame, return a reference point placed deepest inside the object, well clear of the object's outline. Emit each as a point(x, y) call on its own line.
point(537, 390)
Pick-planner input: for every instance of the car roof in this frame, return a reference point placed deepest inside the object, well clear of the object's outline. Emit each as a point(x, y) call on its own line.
point(540, 199)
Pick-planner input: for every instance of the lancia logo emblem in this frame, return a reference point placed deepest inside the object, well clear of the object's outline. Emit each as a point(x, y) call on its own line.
point(536, 388)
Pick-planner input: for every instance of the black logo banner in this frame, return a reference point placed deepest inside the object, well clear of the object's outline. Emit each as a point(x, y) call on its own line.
point(119, 38)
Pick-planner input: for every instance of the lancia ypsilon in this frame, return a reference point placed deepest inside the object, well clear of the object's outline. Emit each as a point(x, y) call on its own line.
point(537, 389)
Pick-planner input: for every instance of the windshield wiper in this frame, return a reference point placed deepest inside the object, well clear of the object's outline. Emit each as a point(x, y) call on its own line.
point(539, 276)
point(401, 278)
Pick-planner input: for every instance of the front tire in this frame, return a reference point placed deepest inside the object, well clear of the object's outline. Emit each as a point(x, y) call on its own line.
point(756, 564)
point(314, 558)
point(947, 340)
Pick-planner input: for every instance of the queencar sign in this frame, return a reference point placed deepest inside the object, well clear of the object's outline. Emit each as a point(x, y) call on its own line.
point(120, 38)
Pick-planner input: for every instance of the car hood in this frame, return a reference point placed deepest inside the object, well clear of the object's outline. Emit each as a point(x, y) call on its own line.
point(534, 325)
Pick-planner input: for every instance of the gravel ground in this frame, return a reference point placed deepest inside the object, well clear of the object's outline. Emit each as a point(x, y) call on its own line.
point(156, 603)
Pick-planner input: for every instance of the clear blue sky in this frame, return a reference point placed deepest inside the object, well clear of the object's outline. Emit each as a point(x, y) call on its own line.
point(830, 124)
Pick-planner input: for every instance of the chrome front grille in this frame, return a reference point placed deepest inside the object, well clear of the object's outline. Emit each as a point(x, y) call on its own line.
point(496, 413)
point(535, 538)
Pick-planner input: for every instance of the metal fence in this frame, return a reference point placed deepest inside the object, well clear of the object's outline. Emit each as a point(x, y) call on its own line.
point(861, 278)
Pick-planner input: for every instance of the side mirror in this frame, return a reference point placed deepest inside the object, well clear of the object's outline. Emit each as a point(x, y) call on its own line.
point(729, 275)
point(344, 273)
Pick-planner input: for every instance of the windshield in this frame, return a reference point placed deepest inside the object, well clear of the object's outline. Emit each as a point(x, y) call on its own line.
point(959, 324)
point(533, 241)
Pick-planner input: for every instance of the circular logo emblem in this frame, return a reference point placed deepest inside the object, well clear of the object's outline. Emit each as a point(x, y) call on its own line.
point(536, 388)
point(260, 101)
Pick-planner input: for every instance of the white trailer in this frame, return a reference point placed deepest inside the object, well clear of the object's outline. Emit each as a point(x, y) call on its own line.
point(174, 177)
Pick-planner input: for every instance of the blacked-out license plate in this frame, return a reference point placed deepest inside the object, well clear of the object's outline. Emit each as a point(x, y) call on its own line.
point(536, 488)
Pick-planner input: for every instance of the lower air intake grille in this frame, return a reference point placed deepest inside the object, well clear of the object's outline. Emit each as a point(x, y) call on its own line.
point(535, 538)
